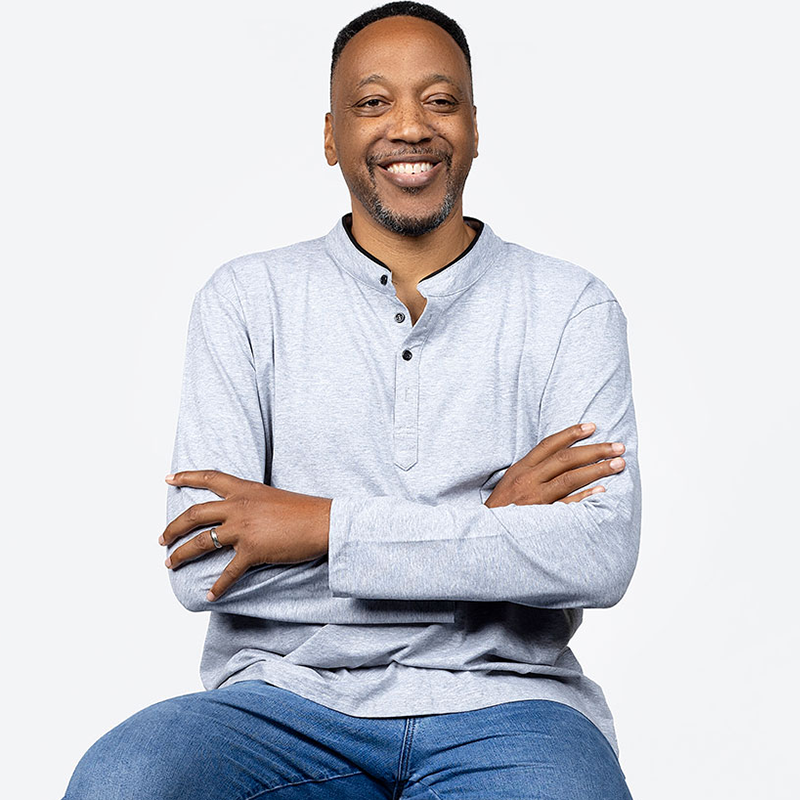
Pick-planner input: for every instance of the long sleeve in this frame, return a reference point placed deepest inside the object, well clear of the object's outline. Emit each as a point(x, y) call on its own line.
point(221, 426)
point(550, 556)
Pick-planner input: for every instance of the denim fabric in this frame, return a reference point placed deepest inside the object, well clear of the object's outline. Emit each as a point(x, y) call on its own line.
point(251, 739)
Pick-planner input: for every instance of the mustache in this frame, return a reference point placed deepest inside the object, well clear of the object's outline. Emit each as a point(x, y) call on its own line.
point(374, 160)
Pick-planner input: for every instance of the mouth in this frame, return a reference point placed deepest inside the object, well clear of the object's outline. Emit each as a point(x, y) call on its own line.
point(411, 170)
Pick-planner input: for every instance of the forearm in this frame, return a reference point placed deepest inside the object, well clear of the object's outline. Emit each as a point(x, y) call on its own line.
point(549, 556)
point(283, 592)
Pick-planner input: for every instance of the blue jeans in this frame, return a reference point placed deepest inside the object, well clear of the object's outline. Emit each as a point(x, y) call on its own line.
point(254, 740)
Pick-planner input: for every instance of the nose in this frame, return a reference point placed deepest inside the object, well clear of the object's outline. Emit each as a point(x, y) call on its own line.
point(408, 123)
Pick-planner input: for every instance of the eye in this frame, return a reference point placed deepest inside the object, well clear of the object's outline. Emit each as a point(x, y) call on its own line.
point(443, 102)
point(373, 102)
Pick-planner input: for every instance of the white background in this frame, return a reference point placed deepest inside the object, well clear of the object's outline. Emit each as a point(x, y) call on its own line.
point(144, 144)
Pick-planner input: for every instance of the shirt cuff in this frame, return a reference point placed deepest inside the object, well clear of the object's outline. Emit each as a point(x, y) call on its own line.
point(338, 532)
point(357, 566)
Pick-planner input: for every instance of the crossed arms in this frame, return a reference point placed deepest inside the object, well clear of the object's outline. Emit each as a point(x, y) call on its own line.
point(390, 559)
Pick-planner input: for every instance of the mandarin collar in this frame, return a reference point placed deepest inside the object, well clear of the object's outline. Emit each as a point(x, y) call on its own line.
point(449, 279)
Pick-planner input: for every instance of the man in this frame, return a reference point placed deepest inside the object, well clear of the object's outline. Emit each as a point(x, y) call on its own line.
point(378, 492)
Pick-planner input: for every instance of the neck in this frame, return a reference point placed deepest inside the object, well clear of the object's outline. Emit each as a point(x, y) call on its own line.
point(411, 258)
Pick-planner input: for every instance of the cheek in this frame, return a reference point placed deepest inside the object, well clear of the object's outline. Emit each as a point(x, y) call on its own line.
point(466, 149)
point(460, 138)
point(354, 157)
point(466, 136)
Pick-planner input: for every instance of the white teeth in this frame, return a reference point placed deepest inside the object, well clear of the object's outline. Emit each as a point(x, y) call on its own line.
point(410, 167)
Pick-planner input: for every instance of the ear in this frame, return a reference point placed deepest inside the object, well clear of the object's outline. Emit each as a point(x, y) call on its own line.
point(475, 124)
point(330, 145)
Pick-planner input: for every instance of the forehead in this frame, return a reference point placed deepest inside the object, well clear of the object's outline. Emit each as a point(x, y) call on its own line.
point(399, 48)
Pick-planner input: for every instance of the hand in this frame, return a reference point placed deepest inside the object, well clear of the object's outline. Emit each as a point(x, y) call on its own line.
point(553, 469)
point(264, 525)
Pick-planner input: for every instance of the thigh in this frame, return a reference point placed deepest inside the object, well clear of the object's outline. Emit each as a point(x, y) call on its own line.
point(240, 742)
point(524, 750)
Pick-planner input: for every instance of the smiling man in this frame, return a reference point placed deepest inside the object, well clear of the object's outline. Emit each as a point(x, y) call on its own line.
point(377, 486)
point(405, 137)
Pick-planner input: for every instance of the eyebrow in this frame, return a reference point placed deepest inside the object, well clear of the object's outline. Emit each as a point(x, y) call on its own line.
point(433, 77)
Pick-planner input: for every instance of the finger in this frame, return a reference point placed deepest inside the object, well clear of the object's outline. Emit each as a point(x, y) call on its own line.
point(555, 442)
point(210, 513)
point(197, 546)
point(576, 498)
point(235, 569)
point(572, 457)
point(220, 483)
point(567, 483)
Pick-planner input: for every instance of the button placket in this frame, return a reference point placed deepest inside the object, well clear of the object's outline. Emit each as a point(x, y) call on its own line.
point(406, 397)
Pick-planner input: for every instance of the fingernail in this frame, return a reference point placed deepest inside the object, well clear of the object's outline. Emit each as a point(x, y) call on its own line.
point(210, 596)
point(170, 477)
point(616, 463)
point(168, 562)
point(161, 539)
point(617, 447)
point(597, 490)
point(587, 426)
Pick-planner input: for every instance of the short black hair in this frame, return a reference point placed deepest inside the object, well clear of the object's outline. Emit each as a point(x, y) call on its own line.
point(403, 9)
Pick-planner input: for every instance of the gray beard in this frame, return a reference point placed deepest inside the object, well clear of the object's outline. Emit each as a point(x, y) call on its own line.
point(367, 194)
point(410, 226)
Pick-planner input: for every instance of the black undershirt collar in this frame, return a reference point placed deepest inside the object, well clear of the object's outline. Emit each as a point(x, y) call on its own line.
point(347, 221)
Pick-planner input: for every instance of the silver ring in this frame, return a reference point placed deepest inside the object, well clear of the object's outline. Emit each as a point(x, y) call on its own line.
point(213, 533)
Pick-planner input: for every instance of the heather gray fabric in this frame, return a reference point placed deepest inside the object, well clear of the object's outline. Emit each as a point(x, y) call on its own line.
point(303, 371)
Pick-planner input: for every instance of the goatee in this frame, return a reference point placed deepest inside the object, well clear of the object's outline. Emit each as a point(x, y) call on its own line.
point(407, 225)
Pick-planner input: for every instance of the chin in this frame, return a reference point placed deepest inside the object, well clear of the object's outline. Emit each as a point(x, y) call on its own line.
point(407, 225)
point(411, 223)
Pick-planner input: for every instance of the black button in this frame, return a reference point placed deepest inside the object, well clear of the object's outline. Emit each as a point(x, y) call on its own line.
point(407, 355)
point(399, 316)
point(384, 279)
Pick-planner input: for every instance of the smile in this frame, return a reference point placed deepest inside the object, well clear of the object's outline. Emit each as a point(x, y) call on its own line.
point(410, 167)
point(411, 173)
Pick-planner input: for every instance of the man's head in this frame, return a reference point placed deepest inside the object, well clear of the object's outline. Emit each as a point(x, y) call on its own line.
point(401, 94)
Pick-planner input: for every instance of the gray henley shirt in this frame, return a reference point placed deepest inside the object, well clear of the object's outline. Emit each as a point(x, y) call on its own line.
point(303, 371)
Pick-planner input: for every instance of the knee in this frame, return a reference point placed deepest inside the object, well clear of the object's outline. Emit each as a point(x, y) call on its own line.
point(133, 761)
